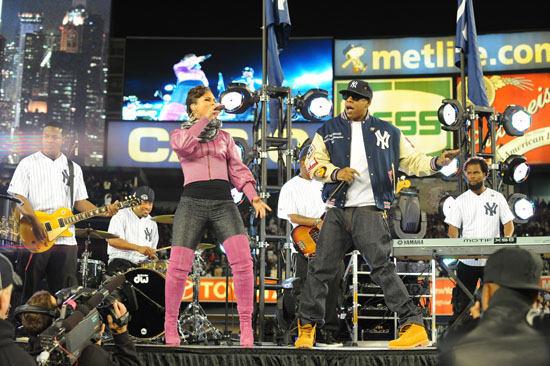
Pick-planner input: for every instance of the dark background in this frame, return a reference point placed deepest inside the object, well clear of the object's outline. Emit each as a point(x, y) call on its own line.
point(339, 19)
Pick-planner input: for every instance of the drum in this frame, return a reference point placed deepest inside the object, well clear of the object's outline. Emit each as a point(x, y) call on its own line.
point(148, 321)
point(96, 270)
point(159, 265)
point(9, 220)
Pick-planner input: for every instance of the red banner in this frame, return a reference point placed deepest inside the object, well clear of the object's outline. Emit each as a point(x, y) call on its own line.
point(212, 289)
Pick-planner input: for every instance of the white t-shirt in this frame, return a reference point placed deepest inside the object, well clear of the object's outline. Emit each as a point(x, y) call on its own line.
point(479, 216)
point(302, 197)
point(360, 190)
point(45, 184)
point(140, 231)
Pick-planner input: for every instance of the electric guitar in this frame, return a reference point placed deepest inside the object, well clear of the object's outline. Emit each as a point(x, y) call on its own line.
point(305, 237)
point(57, 224)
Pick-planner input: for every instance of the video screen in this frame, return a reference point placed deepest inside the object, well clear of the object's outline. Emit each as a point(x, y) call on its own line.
point(54, 56)
point(159, 72)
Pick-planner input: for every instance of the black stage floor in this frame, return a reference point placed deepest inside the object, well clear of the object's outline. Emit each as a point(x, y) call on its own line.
point(271, 355)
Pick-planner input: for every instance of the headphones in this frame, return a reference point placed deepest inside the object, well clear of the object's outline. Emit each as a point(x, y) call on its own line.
point(34, 309)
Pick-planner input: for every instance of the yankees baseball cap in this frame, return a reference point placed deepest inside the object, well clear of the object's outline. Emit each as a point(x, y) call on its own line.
point(360, 87)
point(7, 274)
point(514, 268)
point(145, 193)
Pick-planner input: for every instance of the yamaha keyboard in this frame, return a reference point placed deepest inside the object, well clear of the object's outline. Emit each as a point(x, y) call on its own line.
point(423, 249)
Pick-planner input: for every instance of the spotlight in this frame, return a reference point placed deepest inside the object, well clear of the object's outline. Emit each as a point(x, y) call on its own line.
point(451, 115)
point(446, 203)
point(515, 169)
point(246, 153)
point(522, 207)
point(314, 105)
point(406, 219)
point(515, 120)
point(451, 171)
point(237, 98)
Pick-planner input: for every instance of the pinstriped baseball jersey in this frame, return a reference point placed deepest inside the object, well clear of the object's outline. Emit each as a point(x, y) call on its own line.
point(45, 184)
point(135, 230)
point(302, 197)
point(479, 216)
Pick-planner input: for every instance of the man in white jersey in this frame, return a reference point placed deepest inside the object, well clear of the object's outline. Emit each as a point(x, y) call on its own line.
point(300, 202)
point(357, 156)
point(479, 212)
point(42, 181)
point(138, 234)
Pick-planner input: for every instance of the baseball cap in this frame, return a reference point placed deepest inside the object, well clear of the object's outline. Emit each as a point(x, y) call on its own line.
point(7, 275)
point(303, 152)
point(145, 193)
point(360, 87)
point(514, 268)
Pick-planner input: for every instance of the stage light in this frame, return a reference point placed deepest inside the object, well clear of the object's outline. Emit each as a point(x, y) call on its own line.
point(451, 115)
point(446, 203)
point(451, 171)
point(246, 153)
point(515, 169)
point(314, 105)
point(515, 120)
point(522, 207)
point(237, 98)
point(407, 221)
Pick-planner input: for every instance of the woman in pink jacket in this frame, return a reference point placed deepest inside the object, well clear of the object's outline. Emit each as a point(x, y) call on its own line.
point(210, 159)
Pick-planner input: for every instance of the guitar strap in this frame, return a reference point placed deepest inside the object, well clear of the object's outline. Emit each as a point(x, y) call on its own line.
point(71, 181)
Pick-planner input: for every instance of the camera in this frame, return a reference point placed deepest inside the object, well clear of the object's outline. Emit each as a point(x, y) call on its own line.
point(80, 318)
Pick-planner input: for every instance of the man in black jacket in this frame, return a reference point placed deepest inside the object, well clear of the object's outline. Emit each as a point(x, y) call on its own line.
point(503, 335)
point(125, 351)
point(10, 353)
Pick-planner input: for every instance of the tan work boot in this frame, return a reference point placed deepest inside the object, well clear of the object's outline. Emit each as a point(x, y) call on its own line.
point(306, 336)
point(410, 336)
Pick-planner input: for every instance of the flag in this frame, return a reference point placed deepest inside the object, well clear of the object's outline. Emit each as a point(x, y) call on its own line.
point(278, 32)
point(466, 40)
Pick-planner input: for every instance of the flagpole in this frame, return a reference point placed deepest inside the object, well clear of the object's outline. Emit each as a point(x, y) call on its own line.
point(462, 133)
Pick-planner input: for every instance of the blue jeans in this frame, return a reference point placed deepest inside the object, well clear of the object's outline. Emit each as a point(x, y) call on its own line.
point(364, 229)
point(194, 215)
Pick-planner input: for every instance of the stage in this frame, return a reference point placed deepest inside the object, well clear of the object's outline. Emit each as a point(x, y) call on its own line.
point(367, 353)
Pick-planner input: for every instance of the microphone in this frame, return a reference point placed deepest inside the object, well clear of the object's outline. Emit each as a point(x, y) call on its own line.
point(82, 310)
point(338, 188)
point(204, 57)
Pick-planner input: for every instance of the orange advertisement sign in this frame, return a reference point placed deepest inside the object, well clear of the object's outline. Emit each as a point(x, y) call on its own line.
point(532, 91)
point(212, 289)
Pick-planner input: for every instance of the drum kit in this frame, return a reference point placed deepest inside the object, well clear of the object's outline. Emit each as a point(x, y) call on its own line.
point(148, 280)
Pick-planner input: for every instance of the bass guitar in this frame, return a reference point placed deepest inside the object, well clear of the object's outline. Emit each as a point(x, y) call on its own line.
point(57, 224)
point(305, 237)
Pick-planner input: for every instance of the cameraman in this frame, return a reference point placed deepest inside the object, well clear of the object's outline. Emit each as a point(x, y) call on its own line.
point(35, 323)
point(10, 353)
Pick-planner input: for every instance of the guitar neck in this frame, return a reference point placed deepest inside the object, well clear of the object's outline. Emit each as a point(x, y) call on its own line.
point(86, 215)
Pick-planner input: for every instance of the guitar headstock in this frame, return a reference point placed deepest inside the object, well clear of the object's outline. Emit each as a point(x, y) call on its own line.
point(130, 201)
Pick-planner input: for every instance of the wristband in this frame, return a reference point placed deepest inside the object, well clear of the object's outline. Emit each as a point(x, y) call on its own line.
point(316, 221)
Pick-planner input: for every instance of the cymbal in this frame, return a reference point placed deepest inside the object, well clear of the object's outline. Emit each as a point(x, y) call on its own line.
point(203, 246)
point(94, 234)
point(164, 219)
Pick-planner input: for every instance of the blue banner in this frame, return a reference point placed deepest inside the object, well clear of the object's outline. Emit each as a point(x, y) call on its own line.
point(147, 144)
point(436, 55)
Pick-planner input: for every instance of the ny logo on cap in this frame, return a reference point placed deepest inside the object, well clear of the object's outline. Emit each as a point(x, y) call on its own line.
point(353, 84)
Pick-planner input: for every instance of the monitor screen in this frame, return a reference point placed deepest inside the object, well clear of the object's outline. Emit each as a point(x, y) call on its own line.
point(159, 72)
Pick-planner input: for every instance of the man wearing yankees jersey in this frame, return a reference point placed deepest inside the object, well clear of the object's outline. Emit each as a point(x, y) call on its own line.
point(300, 202)
point(42, 182)
point(479, 212)
point(138, 234)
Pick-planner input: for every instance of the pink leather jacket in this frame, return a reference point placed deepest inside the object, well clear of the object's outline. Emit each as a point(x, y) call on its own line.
point(217, 159)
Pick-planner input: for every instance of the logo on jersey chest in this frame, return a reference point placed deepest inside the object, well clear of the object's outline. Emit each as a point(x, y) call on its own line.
point(490, 209)
point(148, 234)
point(65, 177)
